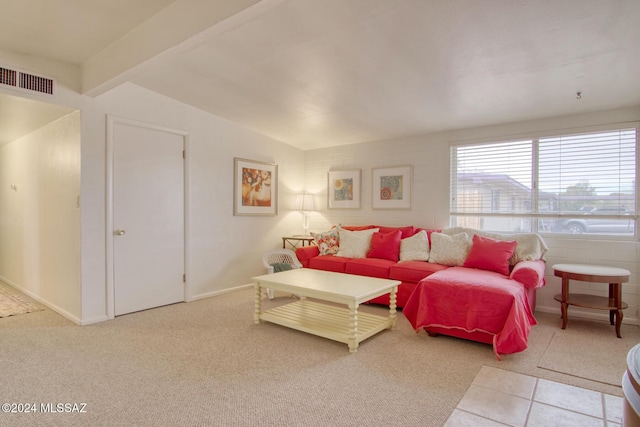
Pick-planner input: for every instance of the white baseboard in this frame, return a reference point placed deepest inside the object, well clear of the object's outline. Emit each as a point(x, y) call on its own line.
point(577, 313)
point(218, 293)
point(44, 302)
point(97, 319)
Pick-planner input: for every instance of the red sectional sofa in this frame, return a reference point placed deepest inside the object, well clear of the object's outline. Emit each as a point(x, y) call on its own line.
point(484, 290)
point(408, 272)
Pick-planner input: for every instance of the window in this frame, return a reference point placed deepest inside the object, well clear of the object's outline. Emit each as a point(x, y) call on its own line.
point(579, 183)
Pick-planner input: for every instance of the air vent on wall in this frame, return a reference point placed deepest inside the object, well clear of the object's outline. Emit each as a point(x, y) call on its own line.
point(8, 77)
point(22, 80)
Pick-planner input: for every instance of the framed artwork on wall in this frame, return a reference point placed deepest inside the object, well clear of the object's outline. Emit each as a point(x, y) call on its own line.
point(391, 187)
point(344, 189)
point(255, 187)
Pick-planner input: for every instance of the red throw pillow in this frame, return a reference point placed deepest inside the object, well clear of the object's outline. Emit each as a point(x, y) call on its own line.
point(406, 231)
point(490, 254)
point(356, 227)
point(385, 245)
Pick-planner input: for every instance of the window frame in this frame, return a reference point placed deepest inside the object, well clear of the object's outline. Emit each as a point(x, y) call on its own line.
point(535, 216)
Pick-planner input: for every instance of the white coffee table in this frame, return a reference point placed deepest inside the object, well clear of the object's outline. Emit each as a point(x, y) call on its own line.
point(338, 323)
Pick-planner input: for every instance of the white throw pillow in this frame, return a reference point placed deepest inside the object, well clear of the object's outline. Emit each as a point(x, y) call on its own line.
point(415, 248)
point(355, 244)
point(449, 250)
point(530, 247)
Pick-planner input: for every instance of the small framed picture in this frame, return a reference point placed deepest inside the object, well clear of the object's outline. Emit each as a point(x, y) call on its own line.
point(391, 188)
point(255, 188)
point(344, 189)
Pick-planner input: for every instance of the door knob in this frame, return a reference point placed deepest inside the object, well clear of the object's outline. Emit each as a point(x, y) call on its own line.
point(119, 232)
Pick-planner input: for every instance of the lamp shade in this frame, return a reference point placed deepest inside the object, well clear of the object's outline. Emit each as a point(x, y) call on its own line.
point(305, 202)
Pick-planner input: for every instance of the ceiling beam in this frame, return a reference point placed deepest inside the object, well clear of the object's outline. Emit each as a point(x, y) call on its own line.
point(181, 25)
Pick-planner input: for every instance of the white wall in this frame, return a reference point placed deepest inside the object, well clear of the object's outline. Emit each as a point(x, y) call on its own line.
point(225, 250)
point(40, 211)
point(429, 156)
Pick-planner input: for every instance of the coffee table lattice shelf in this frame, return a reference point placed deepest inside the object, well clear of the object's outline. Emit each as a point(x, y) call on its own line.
point(338, 323)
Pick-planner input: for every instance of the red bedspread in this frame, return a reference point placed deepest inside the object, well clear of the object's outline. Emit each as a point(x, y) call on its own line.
point(473, 300)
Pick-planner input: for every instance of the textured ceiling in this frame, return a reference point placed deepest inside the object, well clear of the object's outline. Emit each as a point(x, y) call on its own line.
point(70, 31)
point(323, 73)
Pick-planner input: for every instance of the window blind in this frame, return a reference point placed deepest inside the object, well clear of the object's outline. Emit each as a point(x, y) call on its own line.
point(490, 177)
point(590, 171)
point(555, 184)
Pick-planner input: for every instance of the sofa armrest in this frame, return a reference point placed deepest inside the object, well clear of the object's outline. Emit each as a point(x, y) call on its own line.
point(529, 273)
point(305, 253)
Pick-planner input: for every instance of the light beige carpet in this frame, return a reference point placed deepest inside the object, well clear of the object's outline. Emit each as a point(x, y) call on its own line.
point(207, 363)
point(13, 302)
point(590, 350)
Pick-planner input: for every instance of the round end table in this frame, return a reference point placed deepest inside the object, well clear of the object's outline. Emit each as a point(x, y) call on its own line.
point(593, 273)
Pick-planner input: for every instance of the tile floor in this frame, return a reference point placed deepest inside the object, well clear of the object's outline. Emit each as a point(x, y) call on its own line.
point(498, 398)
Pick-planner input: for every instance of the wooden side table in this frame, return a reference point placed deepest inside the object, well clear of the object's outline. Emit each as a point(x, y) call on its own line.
point(295, 241)
point(593, 273)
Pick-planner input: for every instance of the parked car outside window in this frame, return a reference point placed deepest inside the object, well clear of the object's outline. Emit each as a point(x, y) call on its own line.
point(590, 224)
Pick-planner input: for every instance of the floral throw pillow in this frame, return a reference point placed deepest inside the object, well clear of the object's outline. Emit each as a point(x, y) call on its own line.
point(328, 242)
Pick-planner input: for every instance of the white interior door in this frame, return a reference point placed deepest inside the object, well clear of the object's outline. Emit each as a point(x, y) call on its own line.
point(148, 218)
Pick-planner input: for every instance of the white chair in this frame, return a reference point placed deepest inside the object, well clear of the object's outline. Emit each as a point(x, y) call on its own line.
point(279, 256)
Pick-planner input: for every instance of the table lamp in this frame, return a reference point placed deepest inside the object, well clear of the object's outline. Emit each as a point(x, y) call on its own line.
point(305, 203)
